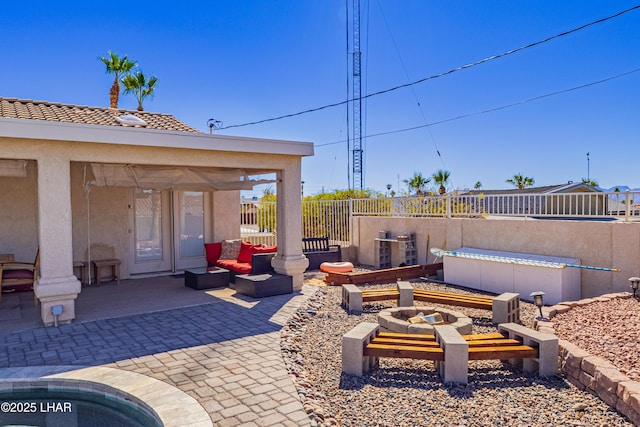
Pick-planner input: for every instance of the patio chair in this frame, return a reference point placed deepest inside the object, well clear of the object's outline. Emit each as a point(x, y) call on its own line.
point(21, 275)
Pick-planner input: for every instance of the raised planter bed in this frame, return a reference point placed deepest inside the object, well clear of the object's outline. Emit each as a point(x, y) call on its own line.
point(383, 276)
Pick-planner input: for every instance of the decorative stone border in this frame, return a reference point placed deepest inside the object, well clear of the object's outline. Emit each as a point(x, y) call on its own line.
point(593, 373)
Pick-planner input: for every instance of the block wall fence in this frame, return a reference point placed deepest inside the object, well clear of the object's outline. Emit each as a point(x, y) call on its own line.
point(596, 243)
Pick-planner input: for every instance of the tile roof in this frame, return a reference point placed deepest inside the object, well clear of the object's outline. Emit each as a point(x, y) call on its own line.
point(57, 112)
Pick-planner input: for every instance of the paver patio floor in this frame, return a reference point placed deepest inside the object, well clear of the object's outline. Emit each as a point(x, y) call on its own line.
point(221, 349)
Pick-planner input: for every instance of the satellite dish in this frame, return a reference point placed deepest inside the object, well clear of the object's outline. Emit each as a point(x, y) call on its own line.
point(130, 120)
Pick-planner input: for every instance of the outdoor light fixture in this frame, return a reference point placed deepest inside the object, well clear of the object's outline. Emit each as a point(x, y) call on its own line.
point(634, 284)
point(537, 300)
point(56, 310)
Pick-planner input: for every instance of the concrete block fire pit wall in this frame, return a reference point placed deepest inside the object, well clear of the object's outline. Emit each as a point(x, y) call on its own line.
point(395, 320)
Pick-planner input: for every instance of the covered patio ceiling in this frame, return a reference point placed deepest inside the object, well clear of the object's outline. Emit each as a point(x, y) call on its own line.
point(155, 177)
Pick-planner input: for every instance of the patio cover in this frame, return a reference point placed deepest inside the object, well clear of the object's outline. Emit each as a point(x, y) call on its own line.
point(172, 178)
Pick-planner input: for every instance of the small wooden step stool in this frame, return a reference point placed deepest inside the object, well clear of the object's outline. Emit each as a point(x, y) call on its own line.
point(101, 263)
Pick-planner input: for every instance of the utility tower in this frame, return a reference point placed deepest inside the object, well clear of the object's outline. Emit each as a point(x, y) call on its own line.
point(358, 179)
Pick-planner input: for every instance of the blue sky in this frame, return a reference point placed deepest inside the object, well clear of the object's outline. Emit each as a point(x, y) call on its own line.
point(240, 62)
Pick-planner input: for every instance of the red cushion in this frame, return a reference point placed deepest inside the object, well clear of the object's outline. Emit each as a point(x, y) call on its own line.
point(245, 252)
point(242, 268)
point(213, 251)
point(264, 249)
point(17, 274)
point(232, 264)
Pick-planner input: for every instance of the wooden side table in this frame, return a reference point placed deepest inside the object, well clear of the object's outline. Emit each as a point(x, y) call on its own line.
point(113, 263)
point(81, 268)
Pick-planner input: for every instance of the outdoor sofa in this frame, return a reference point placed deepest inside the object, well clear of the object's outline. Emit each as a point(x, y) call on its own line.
point(240, 257)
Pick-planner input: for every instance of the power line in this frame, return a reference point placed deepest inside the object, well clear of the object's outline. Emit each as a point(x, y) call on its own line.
point(491, 110)
point(445, 73)
point(413, 90)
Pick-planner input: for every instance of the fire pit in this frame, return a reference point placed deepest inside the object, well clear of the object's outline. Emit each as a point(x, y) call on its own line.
point(397, 320)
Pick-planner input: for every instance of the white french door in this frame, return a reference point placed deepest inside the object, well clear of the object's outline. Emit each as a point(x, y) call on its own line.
point(167, 230)
point(189, 228)
point(150, 215)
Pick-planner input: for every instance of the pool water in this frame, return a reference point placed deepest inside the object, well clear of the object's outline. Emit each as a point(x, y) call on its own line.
point(70, 408)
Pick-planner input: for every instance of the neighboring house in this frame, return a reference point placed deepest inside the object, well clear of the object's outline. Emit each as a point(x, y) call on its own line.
point(562, 199)
point(249, 211)
point(150, 188)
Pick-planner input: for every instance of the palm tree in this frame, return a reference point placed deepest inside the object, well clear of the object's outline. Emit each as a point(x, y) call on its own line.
point(119, 67)
point(417, 182)
point(140, 87)
point(477, 185)
point(441, 177)
point(520, 181)
point(590, 182)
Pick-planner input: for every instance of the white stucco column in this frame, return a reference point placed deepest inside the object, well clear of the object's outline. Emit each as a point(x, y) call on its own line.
point(57, 284)
point(225, 215)
point(290, 260)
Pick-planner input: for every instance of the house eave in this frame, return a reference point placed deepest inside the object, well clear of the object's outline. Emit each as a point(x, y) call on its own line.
point(88, 133)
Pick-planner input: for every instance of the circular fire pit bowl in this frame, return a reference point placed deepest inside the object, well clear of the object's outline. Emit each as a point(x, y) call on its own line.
point(396, 320)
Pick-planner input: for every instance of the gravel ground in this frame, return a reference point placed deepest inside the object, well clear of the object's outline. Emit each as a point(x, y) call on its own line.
point(610, 330)
point(404, 392)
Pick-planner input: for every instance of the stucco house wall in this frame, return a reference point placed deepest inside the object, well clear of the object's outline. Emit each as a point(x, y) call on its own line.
point(49, 208)
point(595, 243)
point(108, 219)
point(109, 223)
point(18, 215)
point(108, 213)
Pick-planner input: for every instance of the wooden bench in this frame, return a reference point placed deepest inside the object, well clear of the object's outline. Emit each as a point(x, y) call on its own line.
point(546, 364)
point(363, 345)
point(385, 275)
point(318, 250)
point(462, 300)
point(380, 294)
point(471, 301)
point(421, 346)
point(398, 345)
point(505, 308)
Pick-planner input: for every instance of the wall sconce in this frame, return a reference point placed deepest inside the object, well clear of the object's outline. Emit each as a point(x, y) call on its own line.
point(537, 300)
point(634, 284)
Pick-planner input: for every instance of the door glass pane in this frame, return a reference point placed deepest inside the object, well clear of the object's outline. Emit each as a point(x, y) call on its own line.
point(148, 225)
point(191, 224)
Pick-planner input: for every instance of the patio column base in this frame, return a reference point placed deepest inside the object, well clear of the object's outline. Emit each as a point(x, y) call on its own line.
point(57, 291)
point(292, 265)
